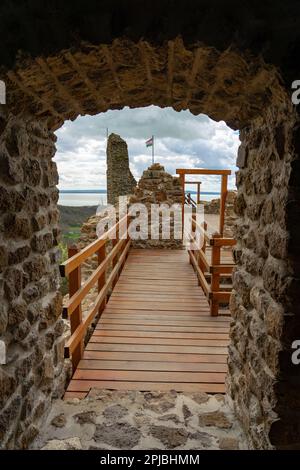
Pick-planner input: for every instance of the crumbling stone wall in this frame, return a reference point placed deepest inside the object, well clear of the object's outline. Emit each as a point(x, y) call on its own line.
point(156, 186)
point(120, 181)
point(264, 282)
point(230, 216)
point(213, 207)
point(30, 325)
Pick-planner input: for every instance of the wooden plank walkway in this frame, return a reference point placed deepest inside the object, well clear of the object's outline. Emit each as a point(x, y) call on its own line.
point(156, 332)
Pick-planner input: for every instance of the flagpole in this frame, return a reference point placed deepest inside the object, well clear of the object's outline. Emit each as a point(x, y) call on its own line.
point(153, 150)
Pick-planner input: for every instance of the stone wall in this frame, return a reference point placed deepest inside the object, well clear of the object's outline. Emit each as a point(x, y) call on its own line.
point(120, 180)
point(30, 308)
point(213, 207)
point(156, 186)
point(262, 300)
point(230, 216)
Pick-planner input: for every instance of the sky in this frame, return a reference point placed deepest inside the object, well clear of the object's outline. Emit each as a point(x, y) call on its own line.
point(182, 140)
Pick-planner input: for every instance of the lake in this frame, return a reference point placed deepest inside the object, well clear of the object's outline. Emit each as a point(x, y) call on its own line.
point(95, 198)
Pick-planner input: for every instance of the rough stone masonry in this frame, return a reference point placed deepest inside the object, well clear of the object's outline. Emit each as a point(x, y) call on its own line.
point(226, 61)
point(30, 309)
point(158, 188)
point(120, 181)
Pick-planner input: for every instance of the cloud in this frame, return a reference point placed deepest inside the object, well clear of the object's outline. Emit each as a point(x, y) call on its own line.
point(182, 140)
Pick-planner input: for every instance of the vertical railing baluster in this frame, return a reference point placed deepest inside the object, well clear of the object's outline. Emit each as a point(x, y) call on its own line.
point(215, 280)
point(101, 281)
point(116, 257)
point(76, 317)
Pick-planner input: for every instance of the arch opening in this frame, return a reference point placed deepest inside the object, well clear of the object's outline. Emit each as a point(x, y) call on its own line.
point(244, 92)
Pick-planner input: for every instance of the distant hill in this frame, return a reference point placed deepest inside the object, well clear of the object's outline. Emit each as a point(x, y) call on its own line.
point(71, 220)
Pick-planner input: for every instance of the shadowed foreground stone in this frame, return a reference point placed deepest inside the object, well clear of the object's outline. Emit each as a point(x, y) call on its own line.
point(123, 420)
point(170, 437)
point(121, 435)
point(66, 444)
point(215, 418)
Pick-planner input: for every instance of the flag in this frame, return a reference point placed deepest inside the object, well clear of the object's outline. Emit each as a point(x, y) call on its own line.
point(149, 142)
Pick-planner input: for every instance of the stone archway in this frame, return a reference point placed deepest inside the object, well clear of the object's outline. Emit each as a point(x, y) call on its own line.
point(46, 89)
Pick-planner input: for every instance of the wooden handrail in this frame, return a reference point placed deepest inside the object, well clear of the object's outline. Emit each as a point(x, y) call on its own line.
point(182, 172)
point(72, 263)
point(76, 299)
point(202, 171)
point(77, 292)
point(203, 282)
point(214, 269)
point(78, 335)
point(222, 241)
point(221, 269)
point(203, 230)
point(190, 200)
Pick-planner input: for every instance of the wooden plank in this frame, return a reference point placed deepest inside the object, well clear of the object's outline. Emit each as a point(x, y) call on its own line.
point(155, 357)
point(159, 334)
point(151, 322)
point(156, 348)
point(158, 341)
point(156, 332)
point(96, 364)
point(159, 318)
point(162, 297)
point(158, 288)
point(140, 305)
point(87, 385)
point(177, 329)
point(139, 314)
point(148, 376)
point(166, 313)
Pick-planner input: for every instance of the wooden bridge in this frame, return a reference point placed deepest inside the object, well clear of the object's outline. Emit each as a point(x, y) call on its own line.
point(160, 323)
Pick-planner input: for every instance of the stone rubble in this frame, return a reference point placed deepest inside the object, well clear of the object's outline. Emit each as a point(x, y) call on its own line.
point(156, 186)
point(107, 420)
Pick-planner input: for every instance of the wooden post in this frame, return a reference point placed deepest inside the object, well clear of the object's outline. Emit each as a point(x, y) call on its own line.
point(223, 202)
point(101, 281)
point(202, 248)
point(198, 192)
point(116, 257)
point(204, 241)
point(215, 280)
point(126, 241)
point(182, 179)
point(76, 317)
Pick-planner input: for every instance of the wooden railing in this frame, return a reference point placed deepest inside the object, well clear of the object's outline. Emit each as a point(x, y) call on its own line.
point(78, 291)
point(210, 269)
point(190, 201)
point(182, 172)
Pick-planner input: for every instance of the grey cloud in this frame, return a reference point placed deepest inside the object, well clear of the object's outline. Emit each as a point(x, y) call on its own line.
point(181, 140)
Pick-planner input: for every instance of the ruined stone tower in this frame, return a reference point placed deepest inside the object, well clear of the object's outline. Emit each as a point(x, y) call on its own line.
point(120, 180)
